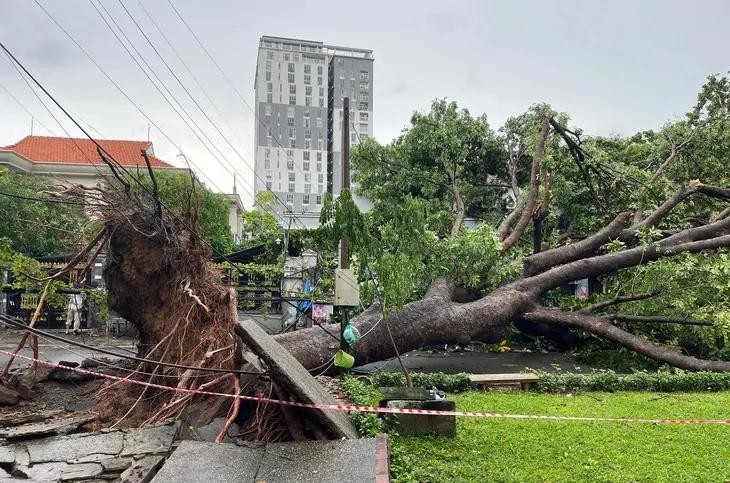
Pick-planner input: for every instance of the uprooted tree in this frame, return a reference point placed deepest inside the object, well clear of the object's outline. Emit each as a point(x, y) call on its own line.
point(479, 282)
point(441, 318)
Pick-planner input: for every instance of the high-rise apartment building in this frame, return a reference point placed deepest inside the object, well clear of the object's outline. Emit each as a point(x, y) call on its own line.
point(299, 88)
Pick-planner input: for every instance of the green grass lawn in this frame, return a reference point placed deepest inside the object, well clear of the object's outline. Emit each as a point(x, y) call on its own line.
point(531, 450)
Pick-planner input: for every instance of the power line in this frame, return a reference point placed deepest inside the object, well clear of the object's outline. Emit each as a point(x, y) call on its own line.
point(39, 332)
point(41, 200)
point(26, 110)
point(110, 157)
point(171, 95)
point(238, 93)
point(189, 71)
point(122, 91)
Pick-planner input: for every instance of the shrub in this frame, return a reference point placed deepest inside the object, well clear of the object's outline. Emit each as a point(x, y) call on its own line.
point(367, 424)
point(445, 382)
point(609, 381)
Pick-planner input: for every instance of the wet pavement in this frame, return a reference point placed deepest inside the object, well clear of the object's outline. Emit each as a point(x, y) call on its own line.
point(55, 351)
point(476, 362)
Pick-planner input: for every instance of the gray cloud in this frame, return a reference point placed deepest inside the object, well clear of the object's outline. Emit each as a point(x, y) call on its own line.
point(616, 67)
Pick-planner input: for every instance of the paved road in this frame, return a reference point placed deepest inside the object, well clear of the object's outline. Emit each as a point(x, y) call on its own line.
point(53, 351)
point(478, 362)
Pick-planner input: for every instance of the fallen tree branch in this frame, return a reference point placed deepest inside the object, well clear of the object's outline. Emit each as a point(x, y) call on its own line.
point(603, 328)
point(619, 299)
point(542, 261)
point(531, 202)
point(657, 319)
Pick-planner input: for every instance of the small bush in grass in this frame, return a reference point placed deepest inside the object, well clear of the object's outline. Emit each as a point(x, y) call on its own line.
point(453, 383)
point(367, 424)
point(609, 381)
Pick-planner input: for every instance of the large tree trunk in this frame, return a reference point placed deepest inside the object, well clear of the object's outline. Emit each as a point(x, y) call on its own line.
point(438, 319)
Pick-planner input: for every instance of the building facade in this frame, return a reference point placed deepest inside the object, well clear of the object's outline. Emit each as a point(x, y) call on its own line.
point(75, 161)
point(299, 89)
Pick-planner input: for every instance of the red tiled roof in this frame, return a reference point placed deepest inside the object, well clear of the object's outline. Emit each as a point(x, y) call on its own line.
point(45, 149)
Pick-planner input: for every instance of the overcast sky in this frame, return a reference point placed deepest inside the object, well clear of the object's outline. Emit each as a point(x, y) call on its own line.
point(614, 66)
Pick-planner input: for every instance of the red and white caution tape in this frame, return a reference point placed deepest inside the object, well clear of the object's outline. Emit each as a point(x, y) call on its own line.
point(373, 409)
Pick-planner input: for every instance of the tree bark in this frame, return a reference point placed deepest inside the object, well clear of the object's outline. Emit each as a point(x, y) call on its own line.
point(531, 202)
point(438, 319)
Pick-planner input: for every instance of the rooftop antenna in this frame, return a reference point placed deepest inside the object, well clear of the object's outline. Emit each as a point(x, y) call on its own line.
point(148, 132)
point(31, 125)
point(234, 185)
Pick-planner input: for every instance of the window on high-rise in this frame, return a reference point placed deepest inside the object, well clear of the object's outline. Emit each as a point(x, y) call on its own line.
point(320, 188)
point(363, 106)
point(292, 100)
point(321, 102)
point(320, 177)
point(292, 176)
point(291, 188)
point(268, 75)
point(307, 79)
point(307, 133)
point(305, 154)
point(307, 69)
point(269, 55)
point(269, 87)
point(318, 199)
point(291, 67)
point(268, 66)
point(286, 57)
point(363, 127)
point(308, 90)
point(289, 198)
point(292, 88)
point(321, 91)
point(290, 122)
point(307, 188)
point(364, 116)
point(291, 78)
point(364, 76)
point(267, 120)
point(305, 199)
point(353, 137)
point(307, 177)
point(267, 163)
point(291, 132)
point(306, 122)
point(319, 80)
point(290, 164)
point(307, 144)
point(305, 165)
point(290, 154)
point(268, 185)
point(292, 143)
point(307, 101)
point(319, 70)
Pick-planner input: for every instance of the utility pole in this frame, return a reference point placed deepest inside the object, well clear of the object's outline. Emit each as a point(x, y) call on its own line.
point(344, 252)
point(346, 288)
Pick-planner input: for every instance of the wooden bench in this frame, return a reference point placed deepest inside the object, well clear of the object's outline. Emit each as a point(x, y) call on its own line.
point(502, 381)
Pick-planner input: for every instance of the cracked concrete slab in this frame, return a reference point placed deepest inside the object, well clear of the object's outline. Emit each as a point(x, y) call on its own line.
point(296, 378)
point(149, 440)
point(350, 460)
point(59, 426)
point(64, 448)
point(203, 462)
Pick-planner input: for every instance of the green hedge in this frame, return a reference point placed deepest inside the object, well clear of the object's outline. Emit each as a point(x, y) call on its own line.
point(609, 381)
point(444, 382)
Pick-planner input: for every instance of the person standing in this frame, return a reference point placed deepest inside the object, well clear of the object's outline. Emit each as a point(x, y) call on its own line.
point(73, 315)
